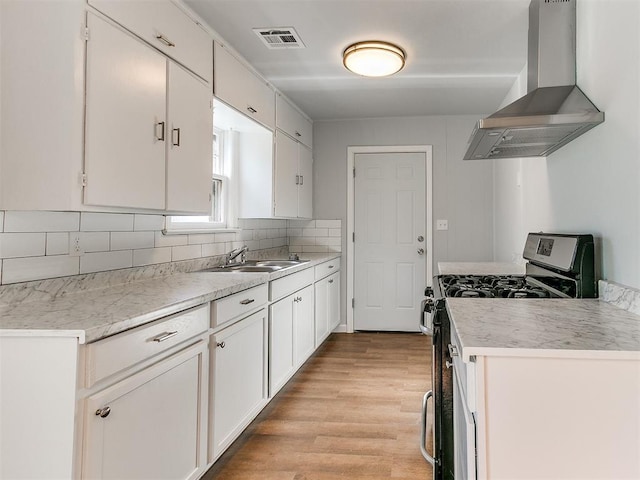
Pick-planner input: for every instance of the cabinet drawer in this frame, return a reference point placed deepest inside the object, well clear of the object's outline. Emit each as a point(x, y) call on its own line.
point(327, 268)
point(167, 28)
point(113, 354)
point(235, 305)
point(291, 283)
point(292, 122)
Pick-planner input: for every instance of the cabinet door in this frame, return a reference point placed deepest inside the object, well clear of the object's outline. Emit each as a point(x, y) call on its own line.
point(190, 136)
point(333, 300)
point(125, 120)
point(238, 386)
point(150, 425)
point(305, 185)
point(165, 27)
point(293, 122)
point(281, 357)
point(286, 177)
point(303, 326)
point(322, 310)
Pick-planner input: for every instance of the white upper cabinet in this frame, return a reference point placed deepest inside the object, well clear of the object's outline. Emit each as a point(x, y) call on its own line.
point(164, 26)
point(293, 179)
point(125, 120)
point(238, 86)
point(292, 122)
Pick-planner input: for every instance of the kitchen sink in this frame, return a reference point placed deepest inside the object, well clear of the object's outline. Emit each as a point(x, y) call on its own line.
point(257, 266)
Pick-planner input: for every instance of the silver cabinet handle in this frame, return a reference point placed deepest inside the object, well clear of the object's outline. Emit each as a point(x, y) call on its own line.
point(301, 179)
point(251, 109)
point(165, 40)
point(103, 412)
point(330, 266)
point(221, 344)
point(175, 134)
point(297, 179)
point(421, 251)
point(161, 136)
point(453, 350)
point(298, 134)
point(423, 429)
point(165, 336)
point(247, 301)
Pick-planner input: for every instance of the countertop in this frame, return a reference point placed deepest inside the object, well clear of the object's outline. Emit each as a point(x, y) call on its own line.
point(480, 268)
point(95, 314)
point(571, 328)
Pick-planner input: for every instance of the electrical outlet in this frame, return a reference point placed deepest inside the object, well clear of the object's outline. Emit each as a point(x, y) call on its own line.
point(442, 224)
point(75, 245)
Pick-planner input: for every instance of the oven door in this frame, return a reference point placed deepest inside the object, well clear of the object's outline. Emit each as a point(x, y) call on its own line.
point(464, 428)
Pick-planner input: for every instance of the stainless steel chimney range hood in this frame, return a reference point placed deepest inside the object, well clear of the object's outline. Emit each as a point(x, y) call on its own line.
point(555, 111)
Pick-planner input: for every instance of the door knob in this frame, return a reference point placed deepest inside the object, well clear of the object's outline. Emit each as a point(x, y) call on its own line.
point(421, 251)
point(420, 238)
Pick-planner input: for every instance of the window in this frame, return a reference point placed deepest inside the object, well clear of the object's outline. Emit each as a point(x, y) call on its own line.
point(222, 190)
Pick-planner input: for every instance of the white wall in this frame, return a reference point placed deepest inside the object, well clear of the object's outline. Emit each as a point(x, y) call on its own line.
point(463, 190)
point(591, 185)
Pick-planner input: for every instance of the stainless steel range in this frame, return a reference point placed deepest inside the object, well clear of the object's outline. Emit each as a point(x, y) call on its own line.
point(559, 266)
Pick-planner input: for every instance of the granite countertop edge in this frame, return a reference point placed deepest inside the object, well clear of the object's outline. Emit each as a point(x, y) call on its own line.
point(96, 314)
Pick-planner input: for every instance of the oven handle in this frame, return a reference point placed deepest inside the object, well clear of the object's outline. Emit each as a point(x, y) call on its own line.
point(423, 430)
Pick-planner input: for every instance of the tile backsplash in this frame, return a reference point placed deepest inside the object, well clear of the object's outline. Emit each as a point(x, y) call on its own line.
point(41, 245)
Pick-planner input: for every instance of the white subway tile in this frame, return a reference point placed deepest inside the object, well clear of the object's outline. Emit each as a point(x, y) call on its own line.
point(276, 224)
point(185, 252)
point(259, 234)
point(302, 240)
point(301, 223)
point(315, 232)
point(162, 240)
point(148, 222)
point(1, 221)
point(273, 233)
point(131, 240)
point(253, 245)
point(295, 248)
point(283, 232)
point(99, 262)
point(17, 221)
point(58, 243)
point(294, 232)
point(249, 223)
point(328, 223)
point(13, 245)
point(38, 268)
point(94, 241)
point(328, 240)
point(279, 242)
point(200, 238)
point(151, 256)
point(246, 235)
point(266, 243)
point(214, 249)
point(314, 249)
point(106, 222)
point(334, 248)
point(335, 232)
point(226, 237)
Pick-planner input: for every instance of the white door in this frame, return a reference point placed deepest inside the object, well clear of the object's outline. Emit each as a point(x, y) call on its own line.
point(389, 249)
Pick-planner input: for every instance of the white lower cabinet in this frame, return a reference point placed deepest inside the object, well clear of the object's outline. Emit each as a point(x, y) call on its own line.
point(327, 293)
point(291, 336)
point(150, 424)
point(238, 379)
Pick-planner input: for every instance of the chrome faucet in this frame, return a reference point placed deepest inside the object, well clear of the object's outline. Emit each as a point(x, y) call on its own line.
point(235, 253)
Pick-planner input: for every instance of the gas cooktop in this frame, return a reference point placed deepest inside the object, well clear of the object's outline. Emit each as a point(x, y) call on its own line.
point(490, 286)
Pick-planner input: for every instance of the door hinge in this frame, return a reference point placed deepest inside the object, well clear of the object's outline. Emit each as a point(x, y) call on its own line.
point(354, 172)
point(83, 179)
point(353, 237)
point(353, 303)
point(85, 33)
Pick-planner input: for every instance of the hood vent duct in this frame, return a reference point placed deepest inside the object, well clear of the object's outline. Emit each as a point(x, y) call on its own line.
point(555, 111)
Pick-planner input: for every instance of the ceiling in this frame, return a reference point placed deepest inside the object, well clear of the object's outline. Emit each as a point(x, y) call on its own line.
point(462, 55)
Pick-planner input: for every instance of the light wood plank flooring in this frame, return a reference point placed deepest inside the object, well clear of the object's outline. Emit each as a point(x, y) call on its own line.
point(351, 412)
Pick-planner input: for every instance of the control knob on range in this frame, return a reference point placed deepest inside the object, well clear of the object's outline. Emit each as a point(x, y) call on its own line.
point(428, 292)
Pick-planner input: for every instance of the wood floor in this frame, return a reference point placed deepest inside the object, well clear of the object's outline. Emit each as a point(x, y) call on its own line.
point(351, 412)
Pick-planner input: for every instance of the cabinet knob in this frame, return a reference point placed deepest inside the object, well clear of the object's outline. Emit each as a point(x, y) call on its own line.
point(331, 281)
point(221, 344)
point(103, 412)
point(298, 134)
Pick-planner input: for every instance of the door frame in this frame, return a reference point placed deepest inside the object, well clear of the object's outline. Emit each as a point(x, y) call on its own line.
point(350, 259)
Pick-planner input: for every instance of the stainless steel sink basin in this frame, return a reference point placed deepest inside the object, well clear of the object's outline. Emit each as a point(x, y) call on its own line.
point(257, 266)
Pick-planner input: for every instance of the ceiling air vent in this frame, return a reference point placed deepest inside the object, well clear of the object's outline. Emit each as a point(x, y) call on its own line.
point(277, 38)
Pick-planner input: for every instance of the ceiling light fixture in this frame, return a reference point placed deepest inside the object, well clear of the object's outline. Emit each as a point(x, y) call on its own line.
point(373, 58)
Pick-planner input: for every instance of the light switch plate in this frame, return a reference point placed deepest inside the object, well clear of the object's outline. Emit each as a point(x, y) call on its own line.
point(442, 224)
